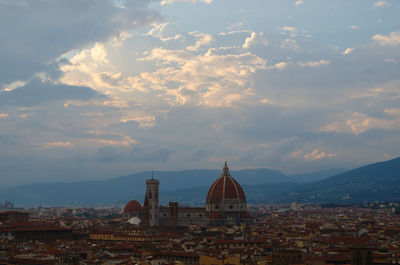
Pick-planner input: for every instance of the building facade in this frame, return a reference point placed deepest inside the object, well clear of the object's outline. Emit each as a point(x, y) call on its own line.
point(225, 205)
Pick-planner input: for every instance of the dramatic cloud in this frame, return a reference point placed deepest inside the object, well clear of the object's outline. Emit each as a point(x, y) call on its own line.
point(97, 89)
point(39, 32)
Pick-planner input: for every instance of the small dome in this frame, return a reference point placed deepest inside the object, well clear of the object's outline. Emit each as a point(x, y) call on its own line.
point(133, 207)
point(225, 187)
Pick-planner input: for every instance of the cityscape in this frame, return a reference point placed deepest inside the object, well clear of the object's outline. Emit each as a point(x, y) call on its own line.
point(204, 132)
point(226, 231)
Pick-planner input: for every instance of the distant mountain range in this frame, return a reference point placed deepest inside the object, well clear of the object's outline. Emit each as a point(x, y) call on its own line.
point(374, 182)
point(192, 186)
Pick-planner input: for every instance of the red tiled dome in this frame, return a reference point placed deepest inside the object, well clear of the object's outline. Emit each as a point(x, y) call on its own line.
point(133, 207)
point(225, 187)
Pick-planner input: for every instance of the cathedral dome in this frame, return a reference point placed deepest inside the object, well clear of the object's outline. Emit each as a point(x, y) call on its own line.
point(225, 188)
point(133, 207)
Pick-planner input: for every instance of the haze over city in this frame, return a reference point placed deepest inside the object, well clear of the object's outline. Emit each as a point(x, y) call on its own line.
point(92, 89)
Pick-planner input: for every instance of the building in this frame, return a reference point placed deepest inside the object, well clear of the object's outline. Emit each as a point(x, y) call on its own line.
point(226, 201)
point(225, 205)
point(133, 209)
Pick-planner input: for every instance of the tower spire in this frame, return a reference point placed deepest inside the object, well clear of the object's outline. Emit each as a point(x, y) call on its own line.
point(225, 171)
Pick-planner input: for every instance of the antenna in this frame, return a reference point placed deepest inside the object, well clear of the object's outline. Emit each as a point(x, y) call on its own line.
point(152, 174)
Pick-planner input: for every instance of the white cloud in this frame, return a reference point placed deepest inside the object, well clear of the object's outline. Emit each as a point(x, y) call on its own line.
point(393, 39)
point(202, 39)
point(160, 30)
point(353, 27)
point(255, 39)
point(268, 101)
point(298, 2)
point(279, 66)
point(204, 79)
point(290, 44)
point(348, 51)
point(314, 63)
point(359, 123)
point(381, 3)
point(217, 77)
point(289, 28)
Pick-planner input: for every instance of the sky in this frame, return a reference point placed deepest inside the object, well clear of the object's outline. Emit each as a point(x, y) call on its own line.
point(92, 89)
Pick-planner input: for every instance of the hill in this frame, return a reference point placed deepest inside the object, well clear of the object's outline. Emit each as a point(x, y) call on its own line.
point(375, 182)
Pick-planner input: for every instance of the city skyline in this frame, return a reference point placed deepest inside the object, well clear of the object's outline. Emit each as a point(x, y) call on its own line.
point(99, 89)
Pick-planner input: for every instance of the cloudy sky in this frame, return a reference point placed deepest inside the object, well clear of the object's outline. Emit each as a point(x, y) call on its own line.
point(97, 89)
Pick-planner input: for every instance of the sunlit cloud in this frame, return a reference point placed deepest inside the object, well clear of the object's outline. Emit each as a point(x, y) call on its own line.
point(393, 39)
point(381, 3)
point(126, 141)
point(298, 2)
point(159, 32)
point(354, 27)
point(255, 39)
point(313, 155)
point(52, 145)
point(316, 155)
point(13, 85)
point(3, 115)
point(202, 39)
point(348, 51)
point(279, 66)
point(359, 123)
point(288, 28)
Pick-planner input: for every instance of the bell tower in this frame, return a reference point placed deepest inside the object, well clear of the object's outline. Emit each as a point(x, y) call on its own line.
point(152, 197)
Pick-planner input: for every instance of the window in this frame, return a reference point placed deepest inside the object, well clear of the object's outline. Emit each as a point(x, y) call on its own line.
point(188, 215)
point(150, 196)
point(230, 207)
point(217, 206)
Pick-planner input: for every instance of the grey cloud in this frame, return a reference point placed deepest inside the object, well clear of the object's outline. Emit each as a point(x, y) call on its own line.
point(36, 92)
point(109, 154)
point(150, 154)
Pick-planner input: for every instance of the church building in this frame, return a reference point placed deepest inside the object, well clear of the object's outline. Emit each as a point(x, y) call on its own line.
point(225, 206)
